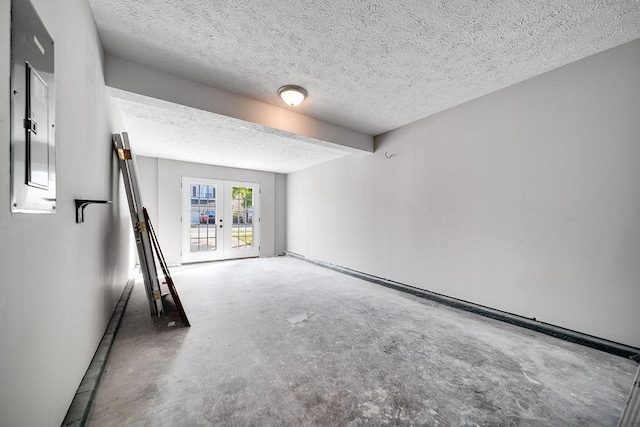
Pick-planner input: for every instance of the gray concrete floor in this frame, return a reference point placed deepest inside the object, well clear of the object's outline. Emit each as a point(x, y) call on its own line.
point(281, 342)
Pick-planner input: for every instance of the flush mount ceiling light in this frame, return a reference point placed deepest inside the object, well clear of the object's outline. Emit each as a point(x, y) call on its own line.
point(292, 95)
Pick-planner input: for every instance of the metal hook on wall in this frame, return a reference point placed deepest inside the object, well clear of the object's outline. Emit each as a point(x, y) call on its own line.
point(388, 156)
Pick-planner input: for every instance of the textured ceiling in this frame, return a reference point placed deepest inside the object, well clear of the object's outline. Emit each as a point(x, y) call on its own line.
point(163, 129)
point(370, 66)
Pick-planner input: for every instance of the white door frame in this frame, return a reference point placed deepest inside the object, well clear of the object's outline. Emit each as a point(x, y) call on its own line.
point(224, 226)
point(231, 252)
point(187, 255)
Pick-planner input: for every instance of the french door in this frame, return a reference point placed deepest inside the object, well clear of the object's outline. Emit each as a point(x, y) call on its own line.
point(220, 219)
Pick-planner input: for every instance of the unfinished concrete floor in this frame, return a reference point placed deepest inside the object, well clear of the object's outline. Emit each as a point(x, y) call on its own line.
point(281, 342)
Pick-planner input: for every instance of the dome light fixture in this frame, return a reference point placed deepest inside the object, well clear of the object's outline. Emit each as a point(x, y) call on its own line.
point(292, 95)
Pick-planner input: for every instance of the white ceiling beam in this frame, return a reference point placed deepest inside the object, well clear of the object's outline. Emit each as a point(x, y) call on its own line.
point(136, 78)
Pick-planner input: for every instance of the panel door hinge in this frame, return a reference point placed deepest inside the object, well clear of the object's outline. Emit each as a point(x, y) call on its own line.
point(124, 154)
point(31, 125)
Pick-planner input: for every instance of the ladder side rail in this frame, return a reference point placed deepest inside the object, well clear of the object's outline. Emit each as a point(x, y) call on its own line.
point(117, 143)
point(144, 230)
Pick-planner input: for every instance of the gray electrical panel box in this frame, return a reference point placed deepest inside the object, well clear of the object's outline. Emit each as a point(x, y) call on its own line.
point(33, 149)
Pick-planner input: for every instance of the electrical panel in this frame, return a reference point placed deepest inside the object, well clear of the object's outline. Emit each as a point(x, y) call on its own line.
point(33, 153)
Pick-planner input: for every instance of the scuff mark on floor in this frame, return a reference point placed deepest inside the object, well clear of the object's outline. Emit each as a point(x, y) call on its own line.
point(299, 318)
point(530, 379)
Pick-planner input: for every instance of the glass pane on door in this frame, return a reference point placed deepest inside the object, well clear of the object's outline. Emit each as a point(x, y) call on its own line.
point(242, 217)
point(203, 218)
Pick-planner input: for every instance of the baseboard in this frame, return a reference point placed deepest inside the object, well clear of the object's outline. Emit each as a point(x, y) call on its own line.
point(535, 325)
point(80, 406)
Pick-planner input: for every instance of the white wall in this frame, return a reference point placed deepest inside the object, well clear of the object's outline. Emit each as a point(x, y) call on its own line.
point(160, 181)
point(59, 280)
point(525, 200)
